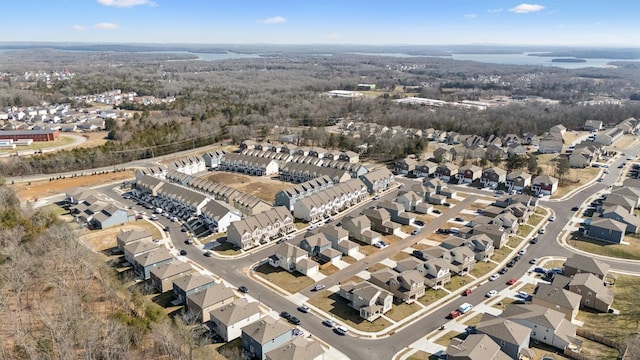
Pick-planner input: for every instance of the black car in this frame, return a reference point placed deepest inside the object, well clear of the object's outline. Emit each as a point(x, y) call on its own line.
point(294, 320)
point(285, 315)
point(575, 208)
point(167, 229)
point(436, 211)
point(243, 289)
point(419, 254)
point(208, 254)
point(534, 240)
point(504, 271)
point(511, 263)
point(419, 222)
point(183, 252)
point(459, 219)
point(517, 258)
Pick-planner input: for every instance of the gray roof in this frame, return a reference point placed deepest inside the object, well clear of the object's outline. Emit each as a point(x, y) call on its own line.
point(587, 264)
point(132, 235)
point(537, 314)
point(236, 311)
point(503, 329)
point(300, 348)
point(594, 284)
point(558, 296)
point(154, 256)
point(266, 329)
point(211, 295)
point(609, 224)
point(171, 269)
point(192, 281)
point(476, 347)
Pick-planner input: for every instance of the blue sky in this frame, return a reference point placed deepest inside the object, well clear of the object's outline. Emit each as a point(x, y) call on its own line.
point(421, 22)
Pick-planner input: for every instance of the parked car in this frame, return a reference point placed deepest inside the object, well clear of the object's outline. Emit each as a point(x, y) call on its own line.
point(285, 315)
point(294, 320)
point(575, 208)
point(541, 231)
point(467, 292)
point(167, 229)
point(512, 281)
point(418, 253)
point(281, 240)
point(436, 211)
point(552, 218)
point(504, 270)
point(341, 330)
point(534, 240)
point(491, 293)
point(243, 289)
point(522, 252)
point(208, 254)
point(454, 314)
point(318, 287)
point(303, 308)
point(511, 263)
point(377, 197)
point(458, 219)
point(522, 295)
point(183, 252)
point(419, 222)
point(540, 270)
point(494, 277)
point(533, 261)
point(415, 232)
point(328, 322)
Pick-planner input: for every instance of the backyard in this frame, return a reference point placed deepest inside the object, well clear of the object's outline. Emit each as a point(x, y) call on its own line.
point(631, 251)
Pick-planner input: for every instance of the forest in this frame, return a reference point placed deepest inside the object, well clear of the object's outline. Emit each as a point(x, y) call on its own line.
point(259, 98)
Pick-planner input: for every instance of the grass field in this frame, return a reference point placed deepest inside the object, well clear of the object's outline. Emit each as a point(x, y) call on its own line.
point(524, 230)
point(431, 296)
point(631, 251)
point(500, 254)
point(514, 241)
point(535, 219)
point(291, 282)
point(458, 282)
point(445, 339)
point(401, 311)
point(375, 267)
point(482, 268)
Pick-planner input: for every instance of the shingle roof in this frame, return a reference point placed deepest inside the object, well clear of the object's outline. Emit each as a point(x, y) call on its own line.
point(154, 256)
point(503, 329)
point(211, 295)
point(298, 349)
point(587, 264)
point(266, 329)
point(236, 311)
point(171, 269)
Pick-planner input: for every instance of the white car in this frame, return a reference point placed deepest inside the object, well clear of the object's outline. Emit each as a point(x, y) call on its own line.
point(522, 252)
point(494, 277)
point(492, 293)
point(523, 295)
point(552, 218)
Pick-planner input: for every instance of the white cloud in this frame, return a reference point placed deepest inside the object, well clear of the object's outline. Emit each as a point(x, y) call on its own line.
point(495, 11)
point(126, 3)
point(526, 8)
point(106, 26)
point(335, 36)
point(273, 20)
point(471, 16)
point(79, 28)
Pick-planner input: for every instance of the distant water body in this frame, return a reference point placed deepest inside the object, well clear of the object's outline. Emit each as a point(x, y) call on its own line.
point(511, 59)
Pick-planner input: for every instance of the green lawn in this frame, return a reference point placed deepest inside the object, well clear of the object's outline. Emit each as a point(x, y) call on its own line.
point(482, 268)
point(524, 230)
point(227, 249)
point(431, 296)
point(291, 282)
point(514, 241)
point(631, 251)
point(458, 282)
point(445, 339)
point(535, 219)
point(338, 306)
point(501, 254)
point(401, 311)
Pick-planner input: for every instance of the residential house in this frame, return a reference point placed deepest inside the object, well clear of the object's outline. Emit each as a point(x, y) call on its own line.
point(265, 335)
point(217, 216)
point(475, 347)
point(201, 303)
point(511, 336)
point(247, 164)
point(558, 129)
point(461, 260)
point(468, 174)
point(301, 172)
point(558, 299)
point(482, 247)
point(592, 125)
point(405, 166)
point(446, 172)
point(145, 262)
point(137, 248)
point(162, 276)
point(410, 201)
point(300, 348)
point(544, 184)
point(443, 155)
point(339, 238)
point(292, 258)
point(628, 125)
point(619, 213)
point(228, 320)
point(494, 140)
point(581, 158)
point(212, 159)
point(260, 228)
point(518, 180)
point(550, 146)
point(508, 221)
point(608, 137)
point(492, 177)
point(495, 152)
point(359, 228)
point(108, 215)
point(436, 272)
point(314, 244)
point(290, 195)
point(349, 156)
point(628, 191)
point(547, 326)
point(608, 230)
point(594, 293)
point(516, 149)
point(378, 180)
point(370, 301)
point(330, 201)
point(425, 169)
point(627, 202)
point(397, 212)
point(494, 232)
point(126, 237)
point(190, 284)
point(580, 264)
point(407, 287)
point(381, 221)
point(472, 152)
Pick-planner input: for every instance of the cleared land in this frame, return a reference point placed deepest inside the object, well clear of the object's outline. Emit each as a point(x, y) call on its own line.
point(263, 187)
point(337, 306)
point(291, 282)
point(631, 251)
point(100, 240)
point(40, 189)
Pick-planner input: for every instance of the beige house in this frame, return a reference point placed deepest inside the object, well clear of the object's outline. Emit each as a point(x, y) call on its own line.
point(293, 258)
point(126, 237)
point(359, 228)
point(594, 293)
point(475, 347)
point(407, 287)
point(202, 302)
point(558, 299)
point(228, 320)
point(261, 228)
point(370, 301)
point(162, 277)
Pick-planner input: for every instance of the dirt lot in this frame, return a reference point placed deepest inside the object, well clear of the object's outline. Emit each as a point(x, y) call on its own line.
point(99, 240)
point(46, 188)
point(261, 186)
point(94, 139)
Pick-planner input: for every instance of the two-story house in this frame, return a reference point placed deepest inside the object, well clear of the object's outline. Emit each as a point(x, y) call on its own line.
point(370, 301)
point(228, 320)
point(407, 287)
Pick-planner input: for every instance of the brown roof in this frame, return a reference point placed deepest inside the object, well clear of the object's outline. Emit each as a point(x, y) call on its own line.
point(211, 295)
point(503, 329)
point(236, 311)
point(298, 349)
point(266, 329)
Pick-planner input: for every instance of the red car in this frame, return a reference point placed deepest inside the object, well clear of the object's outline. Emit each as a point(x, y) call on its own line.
point(454, 314)
point(511, 281)
point(466, 292)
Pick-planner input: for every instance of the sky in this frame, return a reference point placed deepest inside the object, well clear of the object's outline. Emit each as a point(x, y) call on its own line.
point(370, 22)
